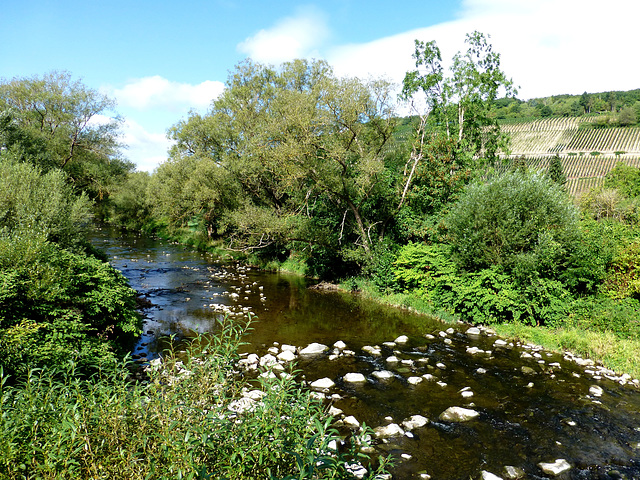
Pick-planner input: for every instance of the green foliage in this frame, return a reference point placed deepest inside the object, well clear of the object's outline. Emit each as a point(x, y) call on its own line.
point(50, 121)
point(623, 276)
point(555, 171)
point(184, 422)
point(56, 305)
point(462, 100)
point(509, 218)
point(128, 204)
point(40, 204)
point(625, 179)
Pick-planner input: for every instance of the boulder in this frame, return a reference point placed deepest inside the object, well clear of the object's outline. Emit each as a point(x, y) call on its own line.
point(473, 331)
point(382, 374)
point(322, 384)
point(354, 378)
point(351, 422)
point(555, 468)
point(286, 356)
point(489, 476)
point(458, 414)
point(340, 345)
point(391, 430)
point(314, 349)
point(596, 391)
point(414, 421)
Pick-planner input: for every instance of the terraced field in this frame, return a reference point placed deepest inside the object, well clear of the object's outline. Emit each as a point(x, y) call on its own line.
point(587, 154)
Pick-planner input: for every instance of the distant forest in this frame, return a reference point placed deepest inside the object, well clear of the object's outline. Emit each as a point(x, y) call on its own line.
point(612, 108)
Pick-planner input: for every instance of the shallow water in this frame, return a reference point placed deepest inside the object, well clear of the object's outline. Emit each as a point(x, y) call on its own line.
point(538, 413)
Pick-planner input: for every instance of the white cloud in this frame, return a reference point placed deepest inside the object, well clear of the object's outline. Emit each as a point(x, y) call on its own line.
point(547, 46)
point(146, 149)
point(292, 37)
point(156, 91)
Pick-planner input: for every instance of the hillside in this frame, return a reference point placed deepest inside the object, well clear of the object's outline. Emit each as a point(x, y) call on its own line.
point(587, 153)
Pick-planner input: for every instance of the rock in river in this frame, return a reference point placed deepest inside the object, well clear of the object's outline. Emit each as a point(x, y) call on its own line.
point(555, 468)
point(322, 384)
point(458, 414)
point(314, 349)
point(354, 378)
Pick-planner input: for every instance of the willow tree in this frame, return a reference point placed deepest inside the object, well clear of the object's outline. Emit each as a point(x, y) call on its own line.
point(59, 123)
point(306, 151)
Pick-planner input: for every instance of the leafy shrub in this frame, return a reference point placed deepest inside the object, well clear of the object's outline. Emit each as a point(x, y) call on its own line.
point(56, 305)
point(40, 203)
point(183, 423)
point(511, 216)
point(625, 179)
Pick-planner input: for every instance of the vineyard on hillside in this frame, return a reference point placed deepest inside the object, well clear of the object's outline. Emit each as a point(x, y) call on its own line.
point(587, 154)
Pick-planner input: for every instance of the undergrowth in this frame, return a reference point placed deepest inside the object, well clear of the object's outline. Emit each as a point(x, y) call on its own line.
point(186, 421)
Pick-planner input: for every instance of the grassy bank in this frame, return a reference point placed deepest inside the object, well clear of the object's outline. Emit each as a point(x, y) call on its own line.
point(605, 347)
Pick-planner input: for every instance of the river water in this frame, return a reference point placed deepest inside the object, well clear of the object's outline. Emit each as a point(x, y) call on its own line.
point(534, 406)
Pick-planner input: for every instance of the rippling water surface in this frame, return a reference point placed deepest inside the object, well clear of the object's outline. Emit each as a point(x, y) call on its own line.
point(534, 406)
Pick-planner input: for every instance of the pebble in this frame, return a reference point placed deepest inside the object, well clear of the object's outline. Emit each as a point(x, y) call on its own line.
point(382, 374)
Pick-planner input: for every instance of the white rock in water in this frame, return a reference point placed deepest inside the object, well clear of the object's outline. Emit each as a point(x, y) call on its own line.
point(596, 391)
point(354, 378)
point(473, 331)
point(402, 339)
point(375, 351)
point(500, 343)
point(489, 476)
point(314, 349)
point(414, 421)
point(414, 380)
point(481, 371)
point(389, 344)
point(555, 468)
point(274, 350)
point(428, 377)
point(334, 411)
point(322, 384)
point(340, 345)
point(268, 360)
point(351, 421)
point(513, 472)
point(288, 348)
point(450, 331)
point(474, 350)
point(391, 430)
point(382, 374)
point(458, 414)
point(286, 356)
point(392, 359)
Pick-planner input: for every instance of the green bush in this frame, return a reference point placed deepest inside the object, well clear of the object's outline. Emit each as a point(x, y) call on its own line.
point(184, 422)
point(56, 305)
point(40, 203)
point(510, 217)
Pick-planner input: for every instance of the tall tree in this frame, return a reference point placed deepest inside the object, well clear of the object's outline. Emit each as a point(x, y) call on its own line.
point(460, 102)
point(70, 125)
point(306, 149)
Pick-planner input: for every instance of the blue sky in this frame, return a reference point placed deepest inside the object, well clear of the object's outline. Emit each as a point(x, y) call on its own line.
point(159, 59)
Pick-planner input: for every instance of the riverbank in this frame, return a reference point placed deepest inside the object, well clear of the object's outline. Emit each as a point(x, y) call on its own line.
point(606, 348)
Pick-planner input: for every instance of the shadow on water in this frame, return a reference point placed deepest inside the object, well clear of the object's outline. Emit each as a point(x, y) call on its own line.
point(533, 406)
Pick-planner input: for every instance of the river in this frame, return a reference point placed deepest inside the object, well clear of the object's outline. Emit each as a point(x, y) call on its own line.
point(533, 406)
